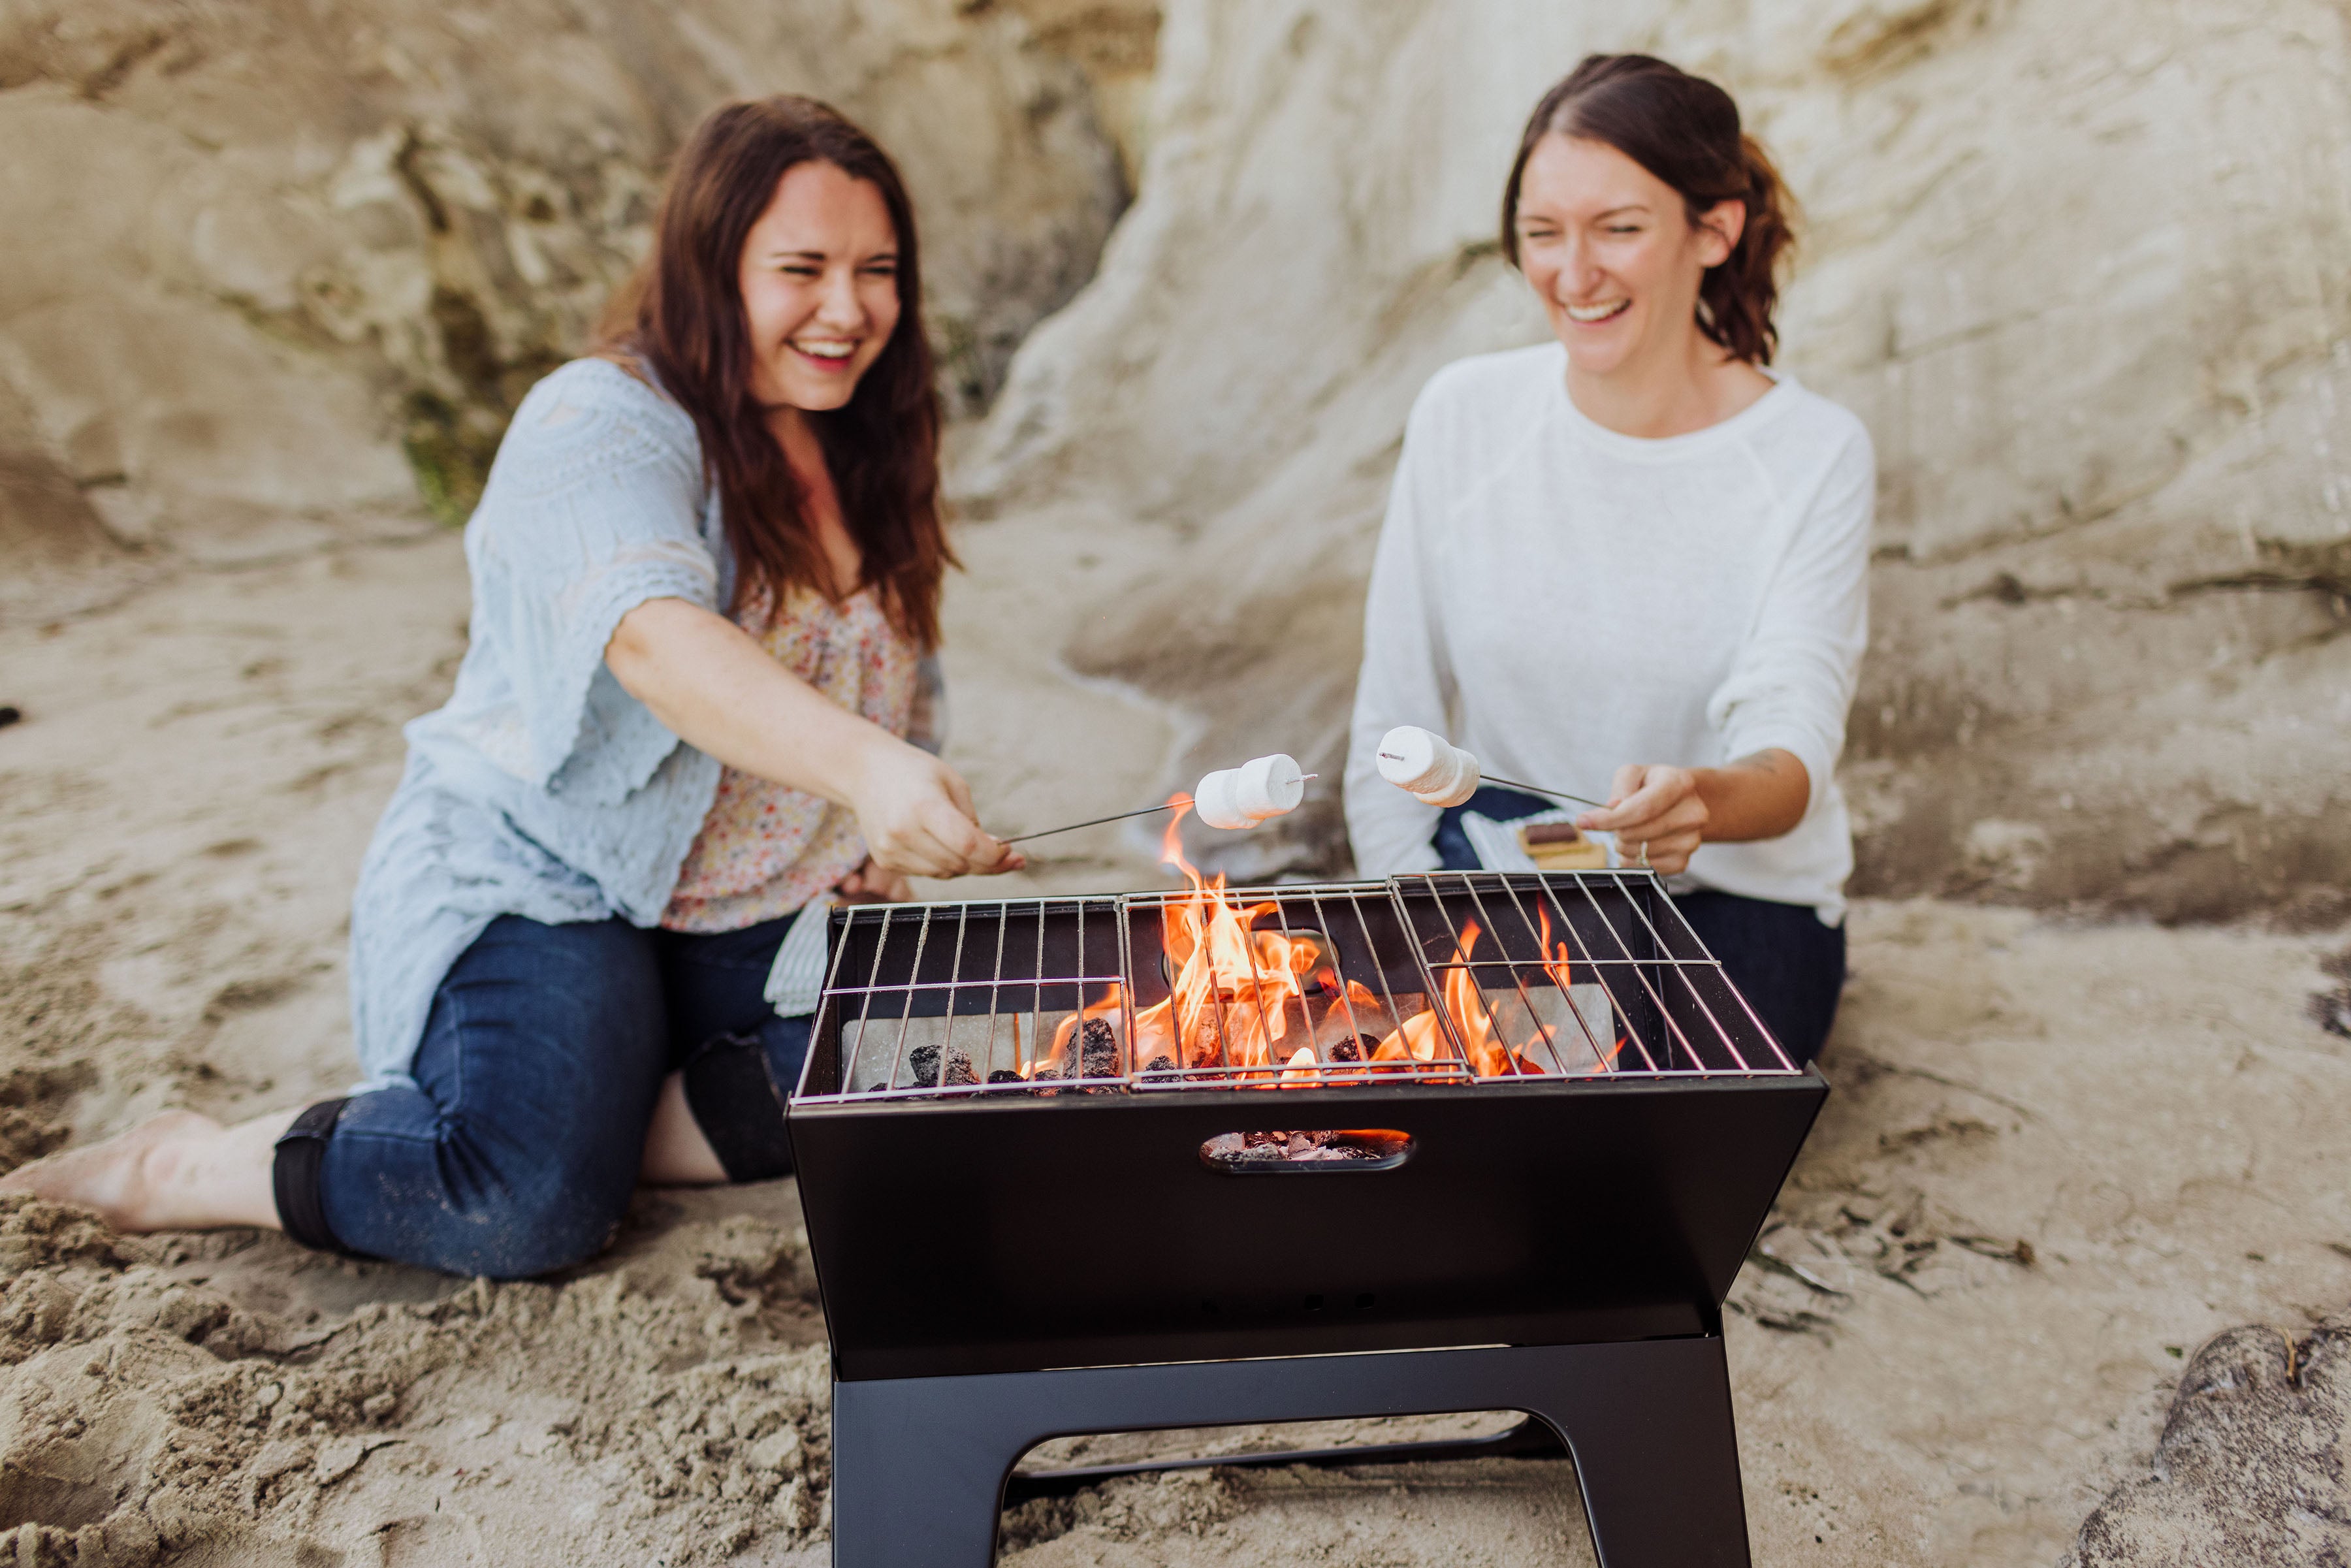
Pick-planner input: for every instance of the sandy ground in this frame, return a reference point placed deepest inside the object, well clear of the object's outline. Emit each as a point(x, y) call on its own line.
point(2058, 1161)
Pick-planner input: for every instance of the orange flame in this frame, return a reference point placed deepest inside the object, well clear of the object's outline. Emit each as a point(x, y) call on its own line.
point(1235, 988)
point(1556, 966)
point(1234, 984)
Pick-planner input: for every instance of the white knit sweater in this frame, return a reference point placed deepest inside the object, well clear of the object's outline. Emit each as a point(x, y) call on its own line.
point(1562, 600)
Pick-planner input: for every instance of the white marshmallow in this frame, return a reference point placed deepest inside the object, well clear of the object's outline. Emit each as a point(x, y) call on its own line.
point(1426, 767)
point(1245, 795)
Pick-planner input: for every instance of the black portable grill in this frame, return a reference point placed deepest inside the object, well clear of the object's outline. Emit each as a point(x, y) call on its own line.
point(1518, 1127)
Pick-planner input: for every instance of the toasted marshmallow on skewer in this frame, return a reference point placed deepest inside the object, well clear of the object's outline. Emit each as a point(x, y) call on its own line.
point(1428, 766)
point(1245, 795)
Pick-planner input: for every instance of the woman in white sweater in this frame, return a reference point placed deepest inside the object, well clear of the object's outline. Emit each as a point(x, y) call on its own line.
point(1631, 563)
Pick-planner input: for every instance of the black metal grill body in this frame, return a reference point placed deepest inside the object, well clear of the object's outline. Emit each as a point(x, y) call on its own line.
point(969, 1244)
point(1012, 1236)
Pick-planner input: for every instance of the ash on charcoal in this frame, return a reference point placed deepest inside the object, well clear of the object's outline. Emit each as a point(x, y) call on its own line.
point(1004, 1075)
point(1159, 1065)
point(1354, 1050)
point(924, 1060)
point(1096, 1056)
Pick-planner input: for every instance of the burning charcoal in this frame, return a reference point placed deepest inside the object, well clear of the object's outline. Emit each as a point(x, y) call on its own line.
point(1351, 1050)
point(1004, 1075)
point(924, 1060)
point(1160, 1064)
point(1208, 1039)
point(1097, 1049)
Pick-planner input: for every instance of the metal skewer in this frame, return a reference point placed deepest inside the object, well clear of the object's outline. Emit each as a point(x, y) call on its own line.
point(1561, 795)
point(1097, 821)
point(1538, 790)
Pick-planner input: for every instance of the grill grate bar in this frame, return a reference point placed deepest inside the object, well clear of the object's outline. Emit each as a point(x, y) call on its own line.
point(1729, 1039)
point(1525, 1000)
point(1665, 1016)
point(1606, 1056)
point(907, 1016)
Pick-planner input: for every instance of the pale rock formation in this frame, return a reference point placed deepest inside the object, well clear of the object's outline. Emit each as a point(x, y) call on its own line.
point(2076, 265)
point(1116, 44)
point(273, 269)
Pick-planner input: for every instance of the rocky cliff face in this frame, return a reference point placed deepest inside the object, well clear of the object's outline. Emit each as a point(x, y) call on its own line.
point(2071, 262)
point(277, 271)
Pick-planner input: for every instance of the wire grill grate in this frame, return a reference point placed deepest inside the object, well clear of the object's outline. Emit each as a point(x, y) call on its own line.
point(1440, 976)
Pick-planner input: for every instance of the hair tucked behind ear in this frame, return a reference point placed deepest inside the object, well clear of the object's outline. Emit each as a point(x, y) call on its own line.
point(1684, 130)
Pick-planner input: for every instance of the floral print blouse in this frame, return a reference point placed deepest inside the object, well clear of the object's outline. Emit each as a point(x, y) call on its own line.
point(765, 850)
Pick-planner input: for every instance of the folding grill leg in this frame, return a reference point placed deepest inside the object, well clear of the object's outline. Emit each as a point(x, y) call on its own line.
point(918, 1469)
point(1656, 1452)
point(919, 1463)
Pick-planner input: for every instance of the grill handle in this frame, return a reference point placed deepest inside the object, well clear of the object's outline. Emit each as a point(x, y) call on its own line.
point(1323, 1151)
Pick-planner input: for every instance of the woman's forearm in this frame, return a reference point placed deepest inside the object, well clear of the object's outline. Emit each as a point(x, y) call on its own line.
point(715, 688)
point(1758, 797)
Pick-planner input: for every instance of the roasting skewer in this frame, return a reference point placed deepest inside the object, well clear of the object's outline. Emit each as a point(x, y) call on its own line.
point(1232, 798)
point(1097, 821)
point(1539, 790)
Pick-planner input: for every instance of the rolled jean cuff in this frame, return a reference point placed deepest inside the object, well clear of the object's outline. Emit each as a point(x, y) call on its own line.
point(732, 1091)
point(294, 1166)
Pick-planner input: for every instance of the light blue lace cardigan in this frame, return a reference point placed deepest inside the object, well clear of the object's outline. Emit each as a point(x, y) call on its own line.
point(541, 789)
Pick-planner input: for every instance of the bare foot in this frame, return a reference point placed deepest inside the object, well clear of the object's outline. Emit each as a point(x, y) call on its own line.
point(178, 1171)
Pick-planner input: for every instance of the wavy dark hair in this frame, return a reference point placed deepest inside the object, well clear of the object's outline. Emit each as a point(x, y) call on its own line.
point(1684, 130)
point(681, 319)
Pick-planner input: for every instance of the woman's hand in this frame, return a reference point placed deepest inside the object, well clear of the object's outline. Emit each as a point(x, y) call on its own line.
point(869, 883)
point(915, 814)
point(1674, 809)
point(1656, 805)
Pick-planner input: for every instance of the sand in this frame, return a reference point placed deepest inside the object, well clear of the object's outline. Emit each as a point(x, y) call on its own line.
point(2059, 1160)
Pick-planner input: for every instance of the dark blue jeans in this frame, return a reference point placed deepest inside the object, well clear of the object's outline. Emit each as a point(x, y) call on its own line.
point(546, 1047)
point(1789, 967)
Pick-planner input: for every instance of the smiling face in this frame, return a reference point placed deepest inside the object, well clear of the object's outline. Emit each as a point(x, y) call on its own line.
point(819, 282)
point(1610, 250)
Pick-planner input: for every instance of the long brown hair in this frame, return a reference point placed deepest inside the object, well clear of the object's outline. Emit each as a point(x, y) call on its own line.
point(681, 319)
point(1684, 130)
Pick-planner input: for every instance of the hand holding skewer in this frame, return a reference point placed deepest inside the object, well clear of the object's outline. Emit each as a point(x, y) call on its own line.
point(1655, 811)
point(1656, 808)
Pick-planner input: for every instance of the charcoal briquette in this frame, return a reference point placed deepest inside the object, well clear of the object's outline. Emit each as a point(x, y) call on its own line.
point(923, 1061)
point(1098, 1048)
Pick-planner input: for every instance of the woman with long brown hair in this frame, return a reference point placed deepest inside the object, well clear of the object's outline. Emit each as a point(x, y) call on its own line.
point(1635, 560)
point(694, 705)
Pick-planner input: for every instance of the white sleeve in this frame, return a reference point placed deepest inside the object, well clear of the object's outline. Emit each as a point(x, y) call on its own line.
point(1792, 681)
point(1404, 678)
